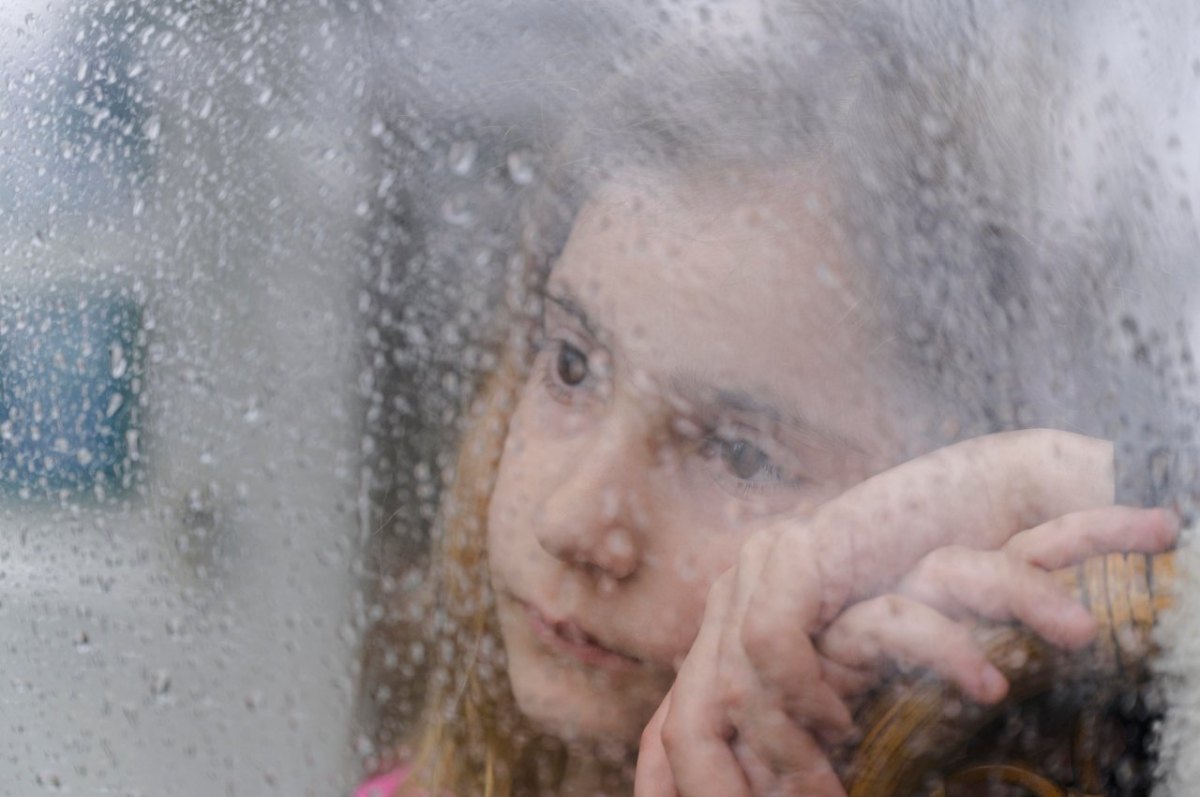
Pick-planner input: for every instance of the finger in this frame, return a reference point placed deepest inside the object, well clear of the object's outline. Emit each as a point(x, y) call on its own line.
point(793, 677)
point(777, 740)
point(769, 737)
point(762, 779)
point(1070, 539)
point(816, 778)
point(773, 742)
point(978, 493)
point(696, 730)
point(959, 581)
point(893, 629)
point(849, 682)
point(652, 777)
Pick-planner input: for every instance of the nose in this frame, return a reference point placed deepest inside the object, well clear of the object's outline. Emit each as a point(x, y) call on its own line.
point(595, 515)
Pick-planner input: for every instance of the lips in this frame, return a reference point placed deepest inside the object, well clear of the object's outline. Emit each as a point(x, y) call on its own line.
point(567, 638)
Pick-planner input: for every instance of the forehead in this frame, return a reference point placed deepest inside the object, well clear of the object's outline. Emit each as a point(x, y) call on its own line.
point(745, 283)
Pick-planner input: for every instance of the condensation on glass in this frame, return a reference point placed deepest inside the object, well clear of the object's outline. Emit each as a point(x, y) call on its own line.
point(251, 256)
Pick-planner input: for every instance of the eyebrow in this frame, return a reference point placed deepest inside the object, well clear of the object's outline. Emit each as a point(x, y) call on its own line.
point(693, 388)
point(572, 307)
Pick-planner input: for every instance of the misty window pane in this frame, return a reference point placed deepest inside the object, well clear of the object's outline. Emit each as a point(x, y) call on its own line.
point(70, 375)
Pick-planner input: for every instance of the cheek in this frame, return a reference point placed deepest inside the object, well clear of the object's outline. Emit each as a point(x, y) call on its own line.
point(509, 497)
point(682, 577)
point(521, 484)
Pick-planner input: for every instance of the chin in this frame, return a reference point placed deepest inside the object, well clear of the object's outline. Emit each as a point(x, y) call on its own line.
point(575, 705)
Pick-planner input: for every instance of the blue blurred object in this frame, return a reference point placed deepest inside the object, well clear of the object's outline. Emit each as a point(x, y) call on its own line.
point(70, 375)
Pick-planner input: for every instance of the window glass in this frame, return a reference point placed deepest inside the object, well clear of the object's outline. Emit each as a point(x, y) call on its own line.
point(423, 391)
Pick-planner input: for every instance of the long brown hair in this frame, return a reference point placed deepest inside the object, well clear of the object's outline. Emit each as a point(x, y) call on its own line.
point(471, 738)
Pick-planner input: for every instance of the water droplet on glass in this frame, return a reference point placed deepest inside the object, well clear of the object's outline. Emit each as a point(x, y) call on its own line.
point(254, 701)
point(520, 166)
point(117, 362)
point(462, 157)
point(152, 128)
point(456, 211)
point(160, 683)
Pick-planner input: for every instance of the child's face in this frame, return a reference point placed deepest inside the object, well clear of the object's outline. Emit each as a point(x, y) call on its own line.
point(705, 370)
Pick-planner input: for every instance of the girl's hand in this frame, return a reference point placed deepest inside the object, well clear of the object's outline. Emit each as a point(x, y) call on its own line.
point(752, 703)
point(927, 621)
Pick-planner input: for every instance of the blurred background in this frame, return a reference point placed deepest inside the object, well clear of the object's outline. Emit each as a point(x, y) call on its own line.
point(245, 250)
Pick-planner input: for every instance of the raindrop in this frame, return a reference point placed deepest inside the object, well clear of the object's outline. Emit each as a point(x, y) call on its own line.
point(520, 166)
point(152, 128)
point(49, 779)
point(456, 211)
point(827, 277)
point(160, 683)
point(117, 362)
point(619, 546)
point(462, 157)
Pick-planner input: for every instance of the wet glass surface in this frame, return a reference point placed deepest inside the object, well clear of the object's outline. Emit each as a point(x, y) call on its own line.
point(259, 263)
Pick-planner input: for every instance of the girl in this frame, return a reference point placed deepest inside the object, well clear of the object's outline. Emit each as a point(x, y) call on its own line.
point(686, 515)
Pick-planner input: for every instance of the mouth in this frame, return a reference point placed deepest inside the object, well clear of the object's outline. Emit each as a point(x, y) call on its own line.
point(567, 638)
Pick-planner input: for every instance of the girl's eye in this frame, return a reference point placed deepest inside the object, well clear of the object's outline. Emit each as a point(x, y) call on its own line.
point(571, 365)
point(567, 372)
point(744, 460)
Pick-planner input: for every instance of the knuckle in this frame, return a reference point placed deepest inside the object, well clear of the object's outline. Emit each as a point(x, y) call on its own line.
point(759, 637)
point(1018, 547)
point(734, 694)
point(673, 735)
point(942, 561)
point(864, 634)
point(939, 569)
point(1013, 554)
point(893, 608)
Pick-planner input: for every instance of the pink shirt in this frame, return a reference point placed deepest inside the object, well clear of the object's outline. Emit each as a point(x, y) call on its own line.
point(383, 786)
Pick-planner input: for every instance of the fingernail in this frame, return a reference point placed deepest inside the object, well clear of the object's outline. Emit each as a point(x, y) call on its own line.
point(993, 684)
